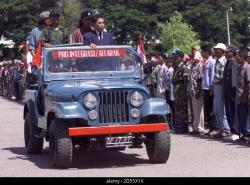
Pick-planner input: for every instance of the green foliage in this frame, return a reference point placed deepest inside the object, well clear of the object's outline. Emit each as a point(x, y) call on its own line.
point(71, 11)
point(177, 34)
point(208, 18)
point(18, 17)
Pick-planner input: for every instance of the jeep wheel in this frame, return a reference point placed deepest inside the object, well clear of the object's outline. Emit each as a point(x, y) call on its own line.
point(158, 147)
point(33, 144)
point(60, 144)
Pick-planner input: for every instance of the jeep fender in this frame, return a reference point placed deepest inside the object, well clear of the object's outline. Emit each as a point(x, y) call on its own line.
point(68, 110)
point(30, 108)
point(155, 106)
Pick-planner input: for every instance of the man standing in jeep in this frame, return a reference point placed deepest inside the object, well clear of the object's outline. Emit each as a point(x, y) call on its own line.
point(55, 34)
point(98, 37)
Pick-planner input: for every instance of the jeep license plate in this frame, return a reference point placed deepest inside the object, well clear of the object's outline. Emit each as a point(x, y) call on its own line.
point(119, 141)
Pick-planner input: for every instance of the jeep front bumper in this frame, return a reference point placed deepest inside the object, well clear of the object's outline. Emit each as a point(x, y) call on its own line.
point(118, 129)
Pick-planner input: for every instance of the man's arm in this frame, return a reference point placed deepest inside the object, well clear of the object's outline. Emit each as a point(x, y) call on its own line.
point(87, 41)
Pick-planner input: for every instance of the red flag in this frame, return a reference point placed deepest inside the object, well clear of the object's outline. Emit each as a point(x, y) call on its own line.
point(37, 60)
point(141, 50)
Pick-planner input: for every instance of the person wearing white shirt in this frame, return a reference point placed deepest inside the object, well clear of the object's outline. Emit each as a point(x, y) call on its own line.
point(161, 79)
point(208, 77)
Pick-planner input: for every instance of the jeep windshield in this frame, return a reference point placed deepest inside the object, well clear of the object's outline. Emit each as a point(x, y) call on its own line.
point(90, 60)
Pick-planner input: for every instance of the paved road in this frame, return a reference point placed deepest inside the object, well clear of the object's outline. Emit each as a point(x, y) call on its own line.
point(190, 156)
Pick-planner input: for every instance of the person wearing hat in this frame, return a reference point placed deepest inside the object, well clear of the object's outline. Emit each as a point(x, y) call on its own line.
point(219, 100)
point(35, 34)
point(229, 89)
point(195, 92)
point(55, 34)
point(86, 24)
point(180, 83)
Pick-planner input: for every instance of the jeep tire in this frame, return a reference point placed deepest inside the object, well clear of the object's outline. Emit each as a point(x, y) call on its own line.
point(33, 143)
point(158, 147)
point(60, 144)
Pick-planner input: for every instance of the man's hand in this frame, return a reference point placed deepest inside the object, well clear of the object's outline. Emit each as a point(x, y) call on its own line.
point(93, 46)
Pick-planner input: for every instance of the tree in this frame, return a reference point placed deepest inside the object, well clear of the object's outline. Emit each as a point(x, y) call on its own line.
point(208, 18)
point(71, 11)
point(178, 34)
point(18, 17)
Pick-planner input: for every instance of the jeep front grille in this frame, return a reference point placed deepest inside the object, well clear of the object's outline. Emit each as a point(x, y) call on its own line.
point(113, 107)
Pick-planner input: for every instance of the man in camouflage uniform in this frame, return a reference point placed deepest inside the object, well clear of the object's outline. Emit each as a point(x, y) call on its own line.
point(154, 77)
point(55, 34)
point(180, 83)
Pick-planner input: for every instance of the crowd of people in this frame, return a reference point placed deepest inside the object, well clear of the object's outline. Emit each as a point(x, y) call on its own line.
point(208, 90)
point(12, 78)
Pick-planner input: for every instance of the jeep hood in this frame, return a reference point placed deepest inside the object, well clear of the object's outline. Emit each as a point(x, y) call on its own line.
point(76, 88)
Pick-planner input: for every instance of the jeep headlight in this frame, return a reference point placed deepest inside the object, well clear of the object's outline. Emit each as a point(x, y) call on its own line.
point(136, 99)
point(90, 101)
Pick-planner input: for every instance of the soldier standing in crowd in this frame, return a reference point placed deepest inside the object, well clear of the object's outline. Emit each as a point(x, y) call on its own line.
point(55, 34)
point(188, 62)
point(229, 89)
point(180, 82)
point(242, 93)
point(154, 76)
point(219, 100)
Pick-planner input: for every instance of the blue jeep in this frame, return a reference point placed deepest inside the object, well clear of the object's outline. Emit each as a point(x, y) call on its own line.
point(93, 99)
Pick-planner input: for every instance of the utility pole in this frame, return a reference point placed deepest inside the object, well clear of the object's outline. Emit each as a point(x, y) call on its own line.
point(228, 28)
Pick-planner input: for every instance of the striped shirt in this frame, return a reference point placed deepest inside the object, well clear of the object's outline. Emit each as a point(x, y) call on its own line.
point(219, 70)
